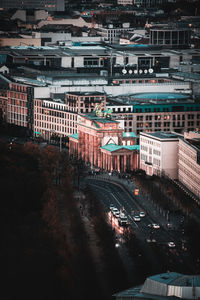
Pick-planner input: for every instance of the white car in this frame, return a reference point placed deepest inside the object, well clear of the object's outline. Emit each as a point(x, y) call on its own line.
point(142, 214)
point(171, 244)
point(115, 212)
point(155, 226)
point(123, 220)
point(136, 218)
point(111, 207)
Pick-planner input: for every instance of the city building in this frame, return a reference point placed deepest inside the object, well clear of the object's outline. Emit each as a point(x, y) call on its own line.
point(159, 153)
point(112, 32)
point(170, 36)
point(7, 40)
point(125, 2)
point(81, 102)
point(101, 142)
point(3, 104)
point(152, 112)
point(189, 162)
point(58, 114)
point(50, 5)
point(20, 105)
point(4, 86)
point(170, 285)
point(149, 3)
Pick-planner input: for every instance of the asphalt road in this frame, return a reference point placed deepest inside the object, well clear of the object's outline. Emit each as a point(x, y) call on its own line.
point(113, 193)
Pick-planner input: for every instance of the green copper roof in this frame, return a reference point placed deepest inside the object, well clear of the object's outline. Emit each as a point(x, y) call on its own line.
point(114, 147)
point(128, 134)
point(74, 135)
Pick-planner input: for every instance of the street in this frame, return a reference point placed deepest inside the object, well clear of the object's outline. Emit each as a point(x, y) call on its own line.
point(169, 240)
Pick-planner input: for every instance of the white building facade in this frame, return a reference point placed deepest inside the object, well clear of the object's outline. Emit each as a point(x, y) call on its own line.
point(159, 153)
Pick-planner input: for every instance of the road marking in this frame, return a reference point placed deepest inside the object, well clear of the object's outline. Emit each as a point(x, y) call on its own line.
point(131, 218)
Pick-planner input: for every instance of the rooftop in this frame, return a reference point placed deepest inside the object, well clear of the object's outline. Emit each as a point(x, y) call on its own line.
point(85, 93)
point(160, 135)
point(170, 285)
point(129, 134)
point(195, 143)
point(160, 96)
point(114, 147)
point(75, 136)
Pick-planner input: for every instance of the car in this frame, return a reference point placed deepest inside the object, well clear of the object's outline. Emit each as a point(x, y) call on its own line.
point(169, 225)
point(123, 220)
point(142, 214)
point(111, 207)
point(115, 212)
point(155, 226)
point(171, 244)
point(136, 218)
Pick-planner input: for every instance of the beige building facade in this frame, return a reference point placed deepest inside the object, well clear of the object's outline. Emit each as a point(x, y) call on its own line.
point(189, 162)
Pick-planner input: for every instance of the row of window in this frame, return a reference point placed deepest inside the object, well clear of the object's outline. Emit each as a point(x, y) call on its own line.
point(15, 116)
point(191, 187)
point(16, 87)
point(149, 142)
point(19, 110)
point(156, 162)
point(187, 151)
point(187, 162)
point(17, 95)
point(18, 102)
point(192, 178)
point(64, 129)
point(166, 117)
point(47, 114)
point(164, 124)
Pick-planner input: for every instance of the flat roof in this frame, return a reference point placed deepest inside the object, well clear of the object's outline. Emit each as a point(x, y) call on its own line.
point(195, 143)
point(159, 96)
point(85, 93)
point(161, 135)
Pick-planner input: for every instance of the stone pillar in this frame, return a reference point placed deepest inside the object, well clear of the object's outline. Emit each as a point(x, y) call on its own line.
point(131, 162)
point(111, 163)
point(99, 153)
point(125, 162)
point(86, 148)
point(80, 145)
point(138, 157)
point(118, 163)
point(95, 150)
point(83, 146)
